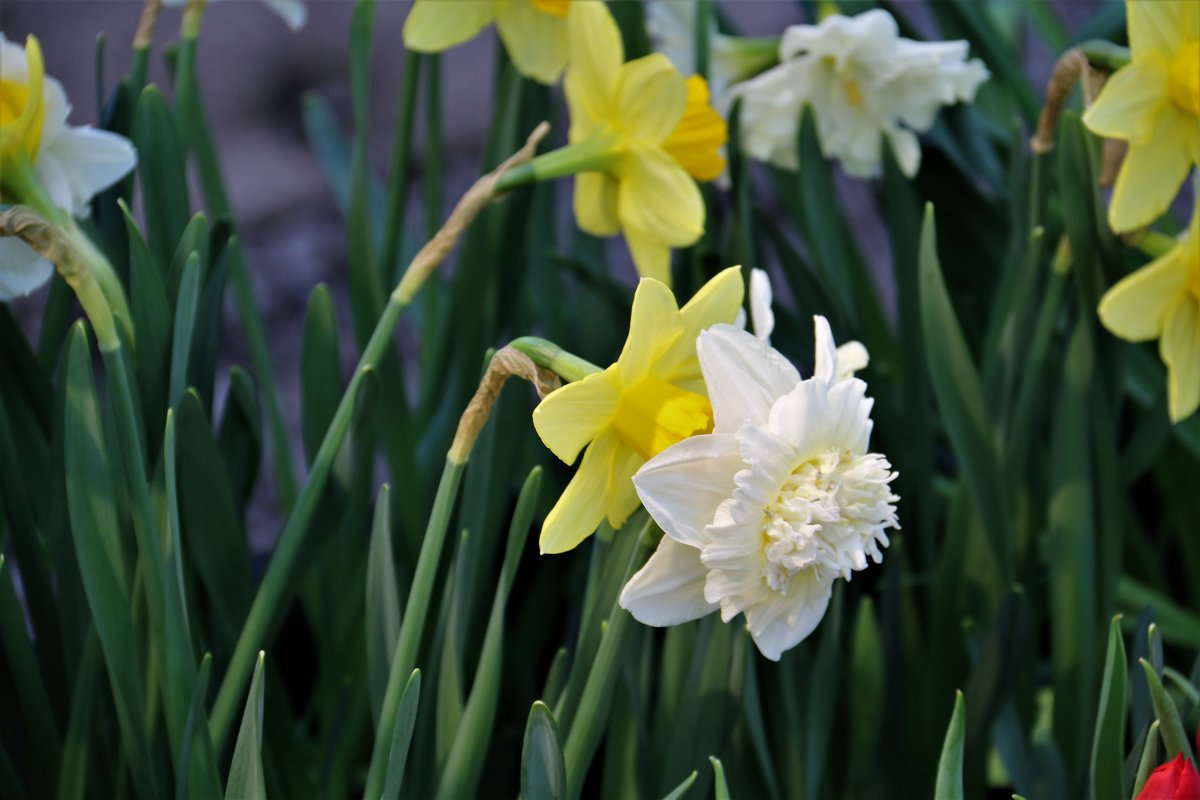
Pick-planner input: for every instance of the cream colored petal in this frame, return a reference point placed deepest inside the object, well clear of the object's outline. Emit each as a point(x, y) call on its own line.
point(683, 485)
point(596, 203)
point(434, 25)
point(91, 160)
point(580, 509)
point(852, 357)
point(570, 417)
point(789, 626)
point(651, 98)
point(761, 298)
point(825, 362)
point(1135, 308)
point(21, 270)
point(1152, 173)
point(659, 199)
point(654, 325)
point(669, 589)
point(1131, 100)
point(596, 54)
point(1180, 350)
point(536, 41)
point(744, 376)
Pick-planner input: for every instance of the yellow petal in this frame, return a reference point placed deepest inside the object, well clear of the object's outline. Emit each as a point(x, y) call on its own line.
point(536, 41)
point(651, 98)
point(718, 301)
point(1135, 308)
point(651, 257)
point(1131, 101)
point(570, 417)
point(697, 140)
point(434, 25)
point(1156, 24)
point(1180, 350)
point(659, 199)
point(596, 203)
point(581, 507)
point(1152, 172)
point(596, 54)
point(654, 325)
point(24, 107)
point(622, 495)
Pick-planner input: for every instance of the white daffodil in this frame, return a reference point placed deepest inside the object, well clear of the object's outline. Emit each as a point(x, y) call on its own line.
point(292, 12)
point(863, 82)
point(763, 514)
point(72, 163)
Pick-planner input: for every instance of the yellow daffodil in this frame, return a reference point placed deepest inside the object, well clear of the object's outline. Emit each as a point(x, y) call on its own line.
point(534, 31)
point(650, 399)
point(22, 103)
point(1153, 103)
point(648, 134)
point(1162, 301)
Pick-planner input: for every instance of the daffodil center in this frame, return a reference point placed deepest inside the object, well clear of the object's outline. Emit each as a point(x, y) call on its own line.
point(557, 8)
point(830, 513)
point(854, 94)
point(654, 414)
point(697, 140)
point(1185, 78)
point(13, 100)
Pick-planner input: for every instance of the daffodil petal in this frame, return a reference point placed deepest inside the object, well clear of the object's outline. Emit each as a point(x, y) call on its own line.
point(435, 25)
point(682, 486)
point(91, 159)
point(719, 300)
point(851, 358)
point(659, 199)
point(651, 257)
point(761, 298)
point(669, 589)
point(788, 627)
point(1155, 25)
point(826, 352)
point(1180, 350)
point(651, 98)
point(1135, 308)
point(21, 270)
point(596, 203)
point(1153, 172)
point(579, 510)
point(744, 376)
point(292, 12)
point(596, 54)
point(536, 41)
point(1131, 100)
point(621, 495)
point(571, 416)
point(654, 325)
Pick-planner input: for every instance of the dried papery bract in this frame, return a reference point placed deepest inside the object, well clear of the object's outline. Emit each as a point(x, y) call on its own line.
point(507, 363)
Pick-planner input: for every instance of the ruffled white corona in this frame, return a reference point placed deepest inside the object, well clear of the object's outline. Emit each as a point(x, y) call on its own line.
point(72, 164)
point(863, 82)
point(783, 497)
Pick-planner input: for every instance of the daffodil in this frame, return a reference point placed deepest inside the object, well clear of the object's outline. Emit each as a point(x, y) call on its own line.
point(650, 399)
point(534, 32)
point(1162, 301)
point(641, 136)
point(1153, 103)
point(864, 82)
point(44, 162)
point(765, 513)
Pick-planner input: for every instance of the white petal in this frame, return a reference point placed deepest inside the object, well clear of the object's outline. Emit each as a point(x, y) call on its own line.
point(21, 269)
point(683, 485)
point(744, 376)
point(825, 366)
point(669, 590)
point(91, 160)
point(760, 304)
point(293, 12)
point(851, 357)
point(801, 617)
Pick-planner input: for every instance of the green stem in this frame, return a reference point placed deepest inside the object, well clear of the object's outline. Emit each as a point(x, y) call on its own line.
point(413, 626)
point(1106, 55)
point(595, 153)
point(397, 200)
point(548, 355)
point(278, 582)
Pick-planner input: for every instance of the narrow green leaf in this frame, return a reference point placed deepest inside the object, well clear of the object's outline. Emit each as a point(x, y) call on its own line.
point(73, 773)
point(406, 718)
point(320, 370)
point(1108, 746)
point(1177, 625)
point(1148, 760)
point(196, 774)
point(240, 436)
point(196, 238)
point(185, 321)
point(543, 773)
point(680, 790)
point(556, 676)
point(246, 778)
point(950, 766)
point(163, 177)
point(152, 319)
point(1171, 724)
point(383, 601)
point(722, 789)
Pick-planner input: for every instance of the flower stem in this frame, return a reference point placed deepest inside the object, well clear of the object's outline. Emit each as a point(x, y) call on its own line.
point(599, 152)
point(547, 354)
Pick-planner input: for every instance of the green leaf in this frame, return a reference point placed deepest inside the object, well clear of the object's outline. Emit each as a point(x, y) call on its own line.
point(722, 790)
point(402, 731)
point(240, 436)
point(1176, 624)
point(867, 676)
point(959, 393)
point(246, 778)
point(152, 320)
point(383, 602)
point(1148, 760)
point(320, 370)
point(1108, 746)
point(73, 775)
point(543, 773)
point(162, 173)
point(1173, 734)
point(196, 774)
point(680, 790)
point(185, 320)
point(950, 766)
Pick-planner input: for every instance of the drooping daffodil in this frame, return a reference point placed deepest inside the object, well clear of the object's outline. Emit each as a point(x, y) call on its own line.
point(1153, 103)
point(650, 399)
point(863, 82)
point(534, 32)
point(784, 497)
point(44, 162)
point(1162, 301)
